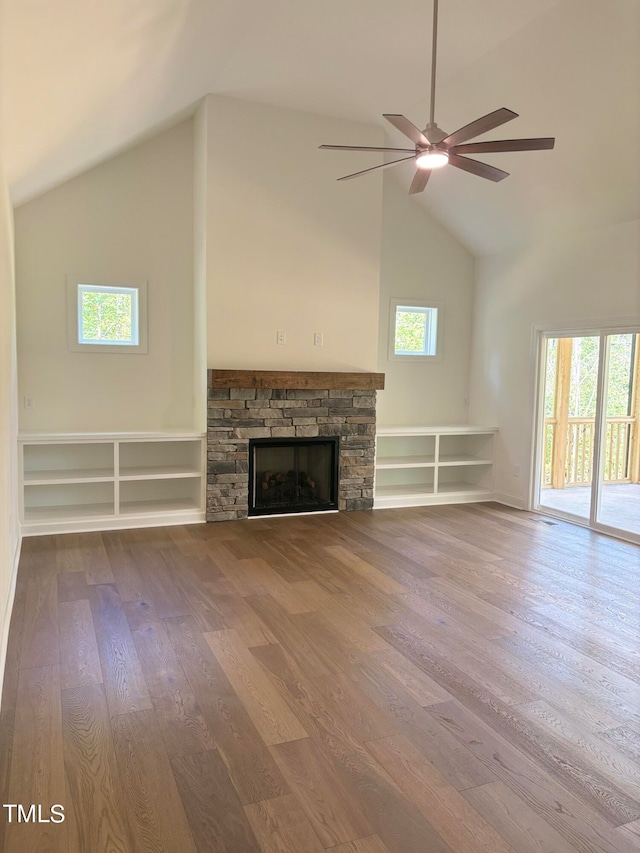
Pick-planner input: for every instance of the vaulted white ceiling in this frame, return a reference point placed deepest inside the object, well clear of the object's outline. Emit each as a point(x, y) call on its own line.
point(83, 79)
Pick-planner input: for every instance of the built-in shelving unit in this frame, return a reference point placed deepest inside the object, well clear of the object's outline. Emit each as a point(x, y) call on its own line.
point(73, 482)
point(417, 466)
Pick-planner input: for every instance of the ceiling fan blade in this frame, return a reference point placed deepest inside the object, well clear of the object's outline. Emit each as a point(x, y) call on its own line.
point(365, 148)
point(405, 126)
point(373, 168)
point(476, 168)
point(480, 126)
point(420, 181)
point(540, 144)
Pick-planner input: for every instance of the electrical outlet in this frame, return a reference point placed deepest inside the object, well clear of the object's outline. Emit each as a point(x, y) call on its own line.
point(318, 339)
point(516, 470)
point(28, 402)
point(281, 338)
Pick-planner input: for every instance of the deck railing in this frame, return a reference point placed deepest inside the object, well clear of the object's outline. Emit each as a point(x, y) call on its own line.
point(579, 442)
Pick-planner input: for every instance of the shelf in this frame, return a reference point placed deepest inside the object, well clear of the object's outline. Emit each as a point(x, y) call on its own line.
point(406, 462)
point(99, 481)
point(462, 488)
point(157, 472)
point(404, 490)
point(457, 458)
point(60, 462)
point(462, 459)
point(174, 457)
point(158, 506)
point(67, 475)
point(159, 494)
point(68, 511)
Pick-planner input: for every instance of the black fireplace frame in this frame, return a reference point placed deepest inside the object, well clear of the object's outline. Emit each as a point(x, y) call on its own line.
point(294, 441)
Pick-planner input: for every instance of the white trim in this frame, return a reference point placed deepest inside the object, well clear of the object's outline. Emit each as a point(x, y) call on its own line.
point(116, 478)
point(561, 515)
point(536, 457)
point(510, 500)
point(169, 435)
point(20, 479)
point(535, 362)
point(8, 611)
point(599, 426)
point(458, 429)
point(616, 532)
point(581, 521)
point(608, 325)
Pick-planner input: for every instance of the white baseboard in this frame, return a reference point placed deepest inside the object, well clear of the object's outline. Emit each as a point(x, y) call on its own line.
point(509, 500)
point(6, 616)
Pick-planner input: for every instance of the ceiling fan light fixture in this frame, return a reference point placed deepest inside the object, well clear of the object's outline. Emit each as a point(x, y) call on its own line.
point(432, 159)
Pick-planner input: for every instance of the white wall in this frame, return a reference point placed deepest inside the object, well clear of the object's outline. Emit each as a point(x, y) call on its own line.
point(128, 219)
point(422, 260)
point(289, 248)
point(567, 280)
point(200, 170)
point(9, 537)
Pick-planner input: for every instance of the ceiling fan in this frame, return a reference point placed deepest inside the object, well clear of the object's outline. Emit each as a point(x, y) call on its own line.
point(434, 148)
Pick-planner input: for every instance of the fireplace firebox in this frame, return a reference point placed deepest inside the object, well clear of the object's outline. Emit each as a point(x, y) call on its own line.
point(292, 475)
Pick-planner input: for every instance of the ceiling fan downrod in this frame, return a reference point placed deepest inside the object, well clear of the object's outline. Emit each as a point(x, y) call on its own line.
point(434, 50)
point(432, 131)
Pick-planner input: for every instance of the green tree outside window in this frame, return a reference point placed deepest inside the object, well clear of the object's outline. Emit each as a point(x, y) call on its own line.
point(411, 329)
point(106, 316)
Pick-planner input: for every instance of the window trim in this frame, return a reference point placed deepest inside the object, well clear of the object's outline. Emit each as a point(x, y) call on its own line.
point(139, 313)
point(410, 302)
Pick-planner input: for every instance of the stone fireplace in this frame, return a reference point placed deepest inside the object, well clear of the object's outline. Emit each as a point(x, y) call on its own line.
point(266, 404)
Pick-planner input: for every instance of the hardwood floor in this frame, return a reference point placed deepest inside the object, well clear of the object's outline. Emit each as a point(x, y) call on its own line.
point(436, 679)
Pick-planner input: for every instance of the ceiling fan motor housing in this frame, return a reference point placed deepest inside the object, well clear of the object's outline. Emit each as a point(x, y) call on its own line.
point(434, 134)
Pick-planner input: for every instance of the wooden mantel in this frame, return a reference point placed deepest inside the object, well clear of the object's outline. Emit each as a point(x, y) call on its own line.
point(337, 381)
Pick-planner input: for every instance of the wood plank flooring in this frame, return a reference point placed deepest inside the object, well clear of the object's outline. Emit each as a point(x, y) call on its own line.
point(403, 681)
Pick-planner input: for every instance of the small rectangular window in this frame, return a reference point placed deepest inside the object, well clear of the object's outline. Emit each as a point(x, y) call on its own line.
point(107, 317)
point(414, 329)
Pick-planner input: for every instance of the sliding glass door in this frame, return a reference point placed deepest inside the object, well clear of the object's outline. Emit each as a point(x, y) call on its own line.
point(618, 504)
point(588, 437)
point(570, 398)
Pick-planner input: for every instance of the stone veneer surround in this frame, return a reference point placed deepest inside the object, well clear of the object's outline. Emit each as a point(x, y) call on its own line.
point(237, 414)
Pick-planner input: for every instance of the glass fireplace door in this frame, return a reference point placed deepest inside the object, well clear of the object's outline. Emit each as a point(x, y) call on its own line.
point(293, 475)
